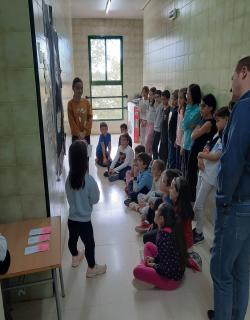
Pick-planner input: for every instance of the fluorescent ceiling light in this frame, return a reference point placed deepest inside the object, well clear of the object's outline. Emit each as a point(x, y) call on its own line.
point(108, 6)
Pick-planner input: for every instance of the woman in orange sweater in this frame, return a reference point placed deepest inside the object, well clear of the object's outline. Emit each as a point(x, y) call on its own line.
point(79, 113)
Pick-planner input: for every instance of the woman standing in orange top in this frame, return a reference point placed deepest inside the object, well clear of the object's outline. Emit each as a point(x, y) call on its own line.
point(79, 113)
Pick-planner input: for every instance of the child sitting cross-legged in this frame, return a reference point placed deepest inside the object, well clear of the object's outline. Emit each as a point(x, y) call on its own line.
point(122, 162)
point(143, 182)
point(144, 200)
point(147, 220)
point(131, 174)
point(103, 148)
point(164, 262)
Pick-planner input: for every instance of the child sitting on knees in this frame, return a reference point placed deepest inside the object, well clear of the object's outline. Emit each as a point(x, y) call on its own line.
point(103, 148)
point(131, 174)
point(145, 199)
point(124, 129)
point(147, 220)
point(122, 162)
point(208, 163)
point(164, 263)
point(143, 182)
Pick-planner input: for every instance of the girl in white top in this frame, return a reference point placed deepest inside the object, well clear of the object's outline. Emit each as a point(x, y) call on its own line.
point(122, 162)
point(143, 107)
point(150, 122)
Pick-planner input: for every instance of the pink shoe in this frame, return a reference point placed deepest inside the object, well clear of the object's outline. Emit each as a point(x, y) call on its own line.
point(76, 260)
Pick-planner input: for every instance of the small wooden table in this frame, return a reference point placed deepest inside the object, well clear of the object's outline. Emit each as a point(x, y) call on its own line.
point(21, 265)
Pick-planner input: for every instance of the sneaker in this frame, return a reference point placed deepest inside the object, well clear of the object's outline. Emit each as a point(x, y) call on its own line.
point(144, 227)
point(114, 177)
point(76, 260)
point(134, 206)
point(127, 202)
point(142, 285)
point(106, 174)
point(198, 238)
point(98, 269)
point(210, 314)
point(194, 261)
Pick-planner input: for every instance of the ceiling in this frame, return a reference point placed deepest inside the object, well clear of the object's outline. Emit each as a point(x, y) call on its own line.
point(124, 9)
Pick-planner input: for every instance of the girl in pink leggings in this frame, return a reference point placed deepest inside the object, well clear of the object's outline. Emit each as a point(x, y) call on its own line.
point(164, 263)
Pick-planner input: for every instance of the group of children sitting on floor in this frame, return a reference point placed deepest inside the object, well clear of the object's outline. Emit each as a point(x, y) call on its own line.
point(184, 137)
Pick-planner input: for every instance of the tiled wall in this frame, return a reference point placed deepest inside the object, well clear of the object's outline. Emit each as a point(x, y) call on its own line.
point(21, 172)
point(63, 25)
point(21, 177)
point(132, 32)
point(202, 45)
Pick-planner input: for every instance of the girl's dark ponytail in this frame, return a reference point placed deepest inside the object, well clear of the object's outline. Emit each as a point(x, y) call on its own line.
point(78, 164)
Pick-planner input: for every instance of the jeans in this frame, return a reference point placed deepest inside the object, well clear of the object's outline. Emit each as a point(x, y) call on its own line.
point(230, 261)
point(184, 166)
point(163, 152)
point(149, 138)
point(171, 155)
point(84, 230)
point(178, 157)
point(204, 190)
point(155, 147)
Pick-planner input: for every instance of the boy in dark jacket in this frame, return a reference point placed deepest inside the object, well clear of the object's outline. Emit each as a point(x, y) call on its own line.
point(172, 126)
point(163, 152)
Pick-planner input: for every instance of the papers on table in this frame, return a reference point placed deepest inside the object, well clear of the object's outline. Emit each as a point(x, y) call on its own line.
point(40, 237)
point(38, 248)
point(36, 231)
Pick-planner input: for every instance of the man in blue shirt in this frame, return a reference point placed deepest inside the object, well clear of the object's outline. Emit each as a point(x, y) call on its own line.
point(230, 263)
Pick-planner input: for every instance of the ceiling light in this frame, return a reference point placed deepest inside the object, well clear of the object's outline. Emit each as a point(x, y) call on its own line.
point(107, 6)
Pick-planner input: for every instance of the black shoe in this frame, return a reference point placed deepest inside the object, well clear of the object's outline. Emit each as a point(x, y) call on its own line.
point(106, 174)
point(127, 202)
point(210, 314)
point(198, 238)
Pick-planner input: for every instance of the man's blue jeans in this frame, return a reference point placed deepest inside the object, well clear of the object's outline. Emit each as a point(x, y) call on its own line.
point(230, 261)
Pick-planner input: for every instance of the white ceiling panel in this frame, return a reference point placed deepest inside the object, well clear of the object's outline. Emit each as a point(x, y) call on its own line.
point(124, 9)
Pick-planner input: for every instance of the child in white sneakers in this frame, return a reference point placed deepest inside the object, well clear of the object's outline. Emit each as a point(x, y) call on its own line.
point(82, 193)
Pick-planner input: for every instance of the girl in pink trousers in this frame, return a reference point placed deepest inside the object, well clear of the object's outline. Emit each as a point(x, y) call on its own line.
point(164, 263)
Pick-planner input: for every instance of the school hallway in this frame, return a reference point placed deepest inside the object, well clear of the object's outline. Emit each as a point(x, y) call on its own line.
point(112, 296)
point(68, 69)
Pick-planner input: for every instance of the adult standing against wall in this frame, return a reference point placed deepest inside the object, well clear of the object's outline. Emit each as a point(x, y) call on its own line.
point(230, 263)
point(79, 113)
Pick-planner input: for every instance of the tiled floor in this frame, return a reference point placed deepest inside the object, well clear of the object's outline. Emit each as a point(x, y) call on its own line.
point(112, 296)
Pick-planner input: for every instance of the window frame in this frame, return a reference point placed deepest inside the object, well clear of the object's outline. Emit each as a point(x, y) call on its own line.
point(106, 82)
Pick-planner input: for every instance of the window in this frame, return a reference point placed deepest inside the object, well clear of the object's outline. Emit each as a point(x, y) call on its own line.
point(106, 77)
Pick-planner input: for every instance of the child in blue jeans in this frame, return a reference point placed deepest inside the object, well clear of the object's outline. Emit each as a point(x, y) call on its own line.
point(143, 182)
point(103, 148)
